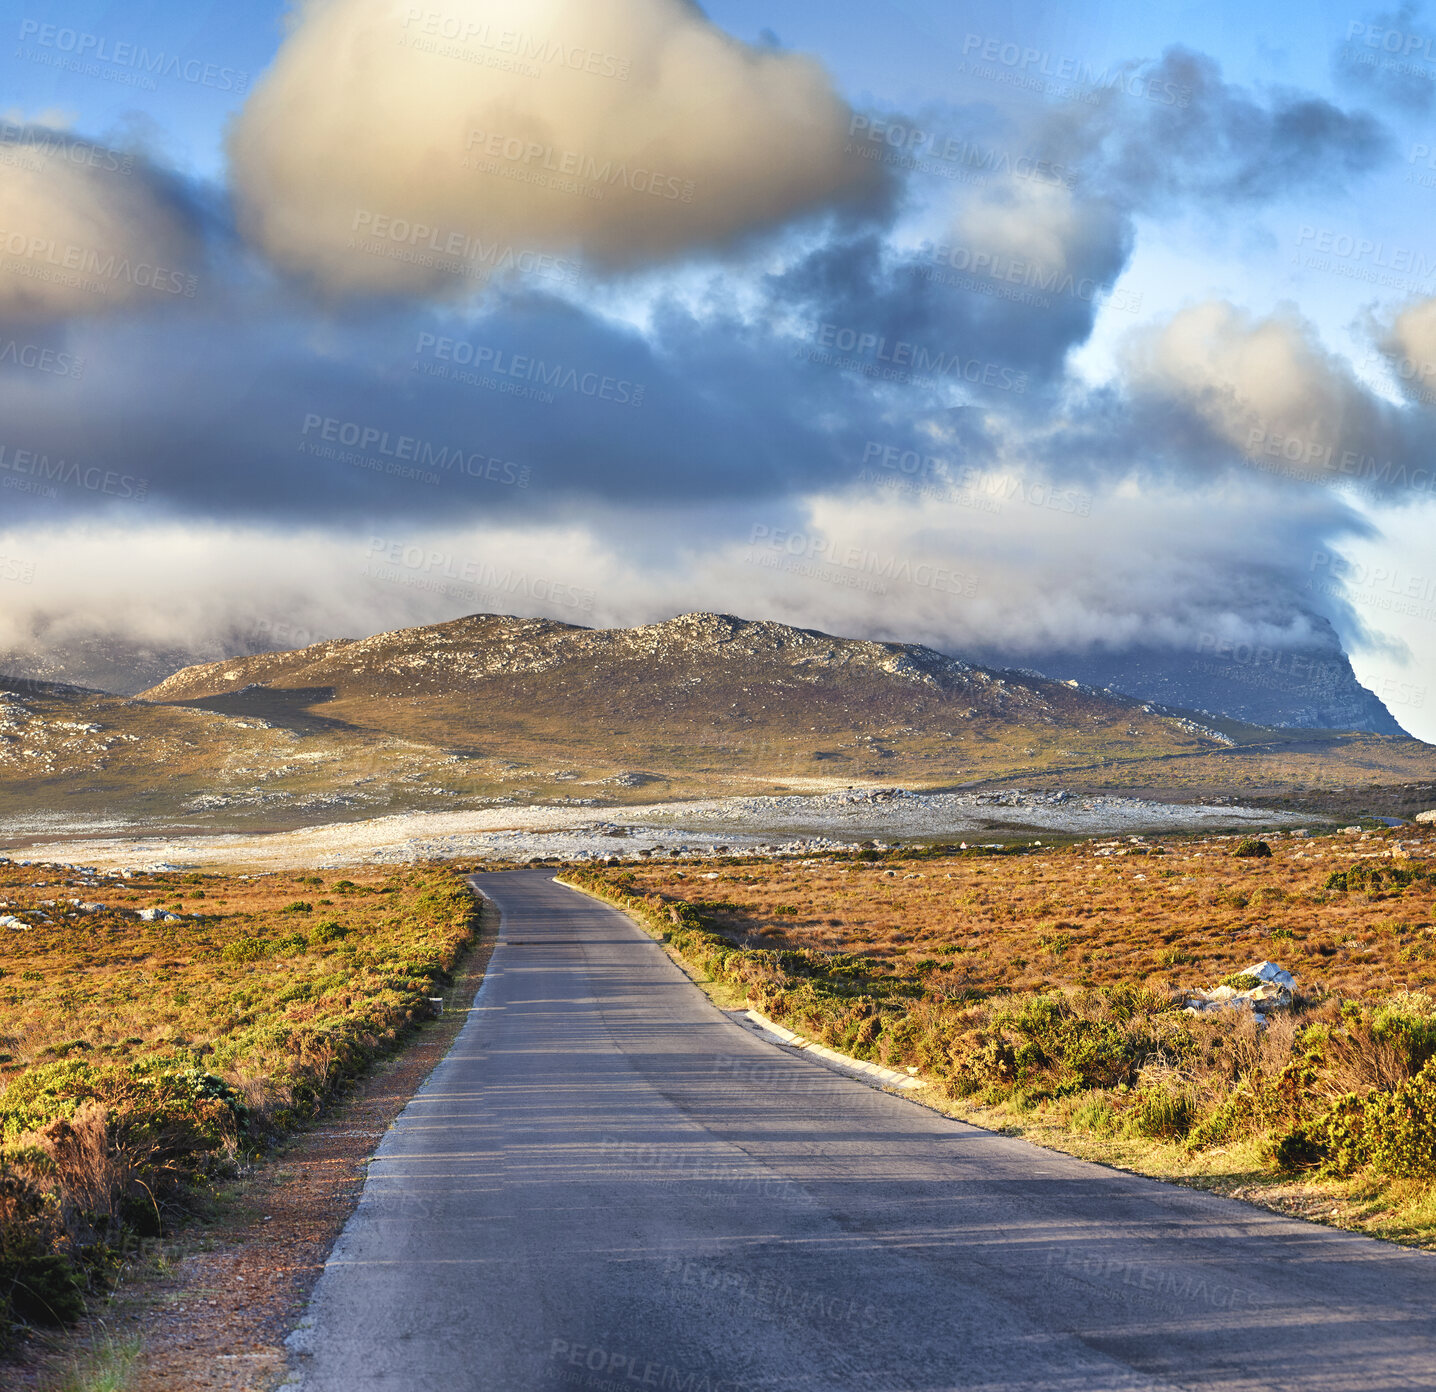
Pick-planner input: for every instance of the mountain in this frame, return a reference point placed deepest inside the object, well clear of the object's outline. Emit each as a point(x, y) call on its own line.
point(1307, 687)
point(491, 710)
point(710, 691)
point(1310, 687)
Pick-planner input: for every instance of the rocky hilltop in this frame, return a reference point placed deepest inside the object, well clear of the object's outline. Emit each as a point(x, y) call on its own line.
point(699, 696)
point(688, 663)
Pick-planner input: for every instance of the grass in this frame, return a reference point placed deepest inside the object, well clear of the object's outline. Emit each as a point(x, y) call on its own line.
point(143, 1060)
point(1042, 993)
point(108, 1368)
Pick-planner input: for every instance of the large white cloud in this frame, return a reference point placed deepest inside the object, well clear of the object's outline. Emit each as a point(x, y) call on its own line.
point(84, 230)
point(393, 146)
point(1265, 387)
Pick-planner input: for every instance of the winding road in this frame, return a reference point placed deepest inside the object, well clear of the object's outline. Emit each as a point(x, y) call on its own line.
point(611, 1184)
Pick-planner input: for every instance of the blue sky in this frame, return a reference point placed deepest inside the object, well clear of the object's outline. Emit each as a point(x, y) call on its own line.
point(1296, 190)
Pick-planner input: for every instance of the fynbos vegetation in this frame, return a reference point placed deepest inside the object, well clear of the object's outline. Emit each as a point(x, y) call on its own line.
point(155, 1041)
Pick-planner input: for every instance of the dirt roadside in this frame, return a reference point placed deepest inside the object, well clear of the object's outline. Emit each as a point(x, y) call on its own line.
point(208, 1309)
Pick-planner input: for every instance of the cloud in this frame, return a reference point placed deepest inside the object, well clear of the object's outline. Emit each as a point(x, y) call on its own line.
point(1266, 390)
point(1410, 348)
point(391, 142)
point(1219, 144)
point(85, 230)
point(994, 563)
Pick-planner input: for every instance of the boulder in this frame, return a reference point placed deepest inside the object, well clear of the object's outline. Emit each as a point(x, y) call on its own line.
point(1272, 991)
point(1428, 816)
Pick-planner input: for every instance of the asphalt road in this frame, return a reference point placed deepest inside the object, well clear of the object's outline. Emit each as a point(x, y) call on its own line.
point(608, 1184)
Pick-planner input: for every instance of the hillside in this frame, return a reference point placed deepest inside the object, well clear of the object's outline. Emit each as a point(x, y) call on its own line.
point(489, 711)
point(699, 693)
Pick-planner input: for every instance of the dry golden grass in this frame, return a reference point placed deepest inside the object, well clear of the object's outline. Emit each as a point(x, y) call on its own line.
point(140, 1058)
point(1165, 911)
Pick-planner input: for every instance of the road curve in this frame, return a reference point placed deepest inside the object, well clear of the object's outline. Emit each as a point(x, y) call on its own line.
point(608, 1184)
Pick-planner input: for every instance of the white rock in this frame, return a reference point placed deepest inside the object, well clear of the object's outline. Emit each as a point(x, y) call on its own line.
point(1269, 971)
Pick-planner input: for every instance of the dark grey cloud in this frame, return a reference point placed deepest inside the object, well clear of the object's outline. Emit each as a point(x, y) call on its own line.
point(1224, 143)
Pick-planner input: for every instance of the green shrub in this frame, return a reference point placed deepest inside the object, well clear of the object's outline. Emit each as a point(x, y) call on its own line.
point(1094, 1115)
point(247, 950)
point(1249, 848)
point(1161, 1114)
point(328, 932)
point(1294, 1152)
point(1373, 876)
point(1408, 1020)
point(1403, 1128)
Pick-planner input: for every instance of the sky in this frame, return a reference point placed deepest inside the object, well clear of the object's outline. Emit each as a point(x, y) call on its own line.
point(1013, 329)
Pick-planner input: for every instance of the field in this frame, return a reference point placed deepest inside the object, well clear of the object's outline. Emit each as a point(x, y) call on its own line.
point(1042, 990)
point(144, 1058)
